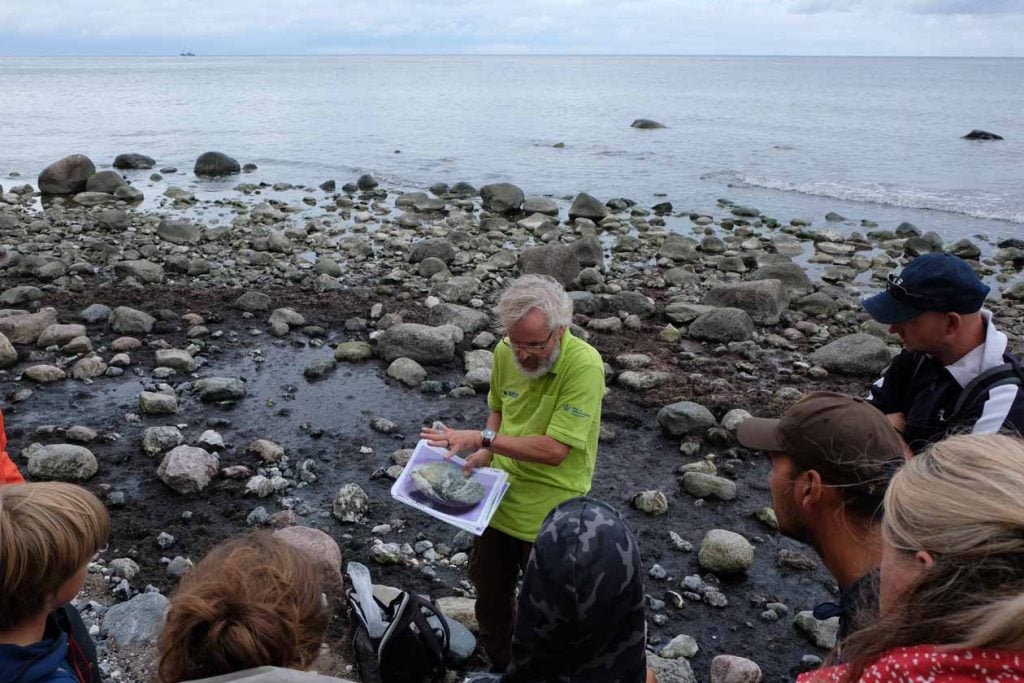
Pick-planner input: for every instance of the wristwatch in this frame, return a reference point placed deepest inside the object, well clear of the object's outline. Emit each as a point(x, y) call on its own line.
point(486, 437)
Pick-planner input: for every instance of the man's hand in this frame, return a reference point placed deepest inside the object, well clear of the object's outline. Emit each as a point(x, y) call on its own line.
point(480, 458)
point(454, 441)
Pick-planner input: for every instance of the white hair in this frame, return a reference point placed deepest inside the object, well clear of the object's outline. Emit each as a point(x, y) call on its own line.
point(535, 291)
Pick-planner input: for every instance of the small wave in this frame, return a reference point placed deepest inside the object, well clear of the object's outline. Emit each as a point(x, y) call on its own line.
point(977, 204)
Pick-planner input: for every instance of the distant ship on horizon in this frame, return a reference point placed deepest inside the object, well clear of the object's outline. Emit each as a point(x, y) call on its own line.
point(188, 54)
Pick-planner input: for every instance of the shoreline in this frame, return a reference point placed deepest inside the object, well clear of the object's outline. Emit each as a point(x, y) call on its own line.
point(354, 265)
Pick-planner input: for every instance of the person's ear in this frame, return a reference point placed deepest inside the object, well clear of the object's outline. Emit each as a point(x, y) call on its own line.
point(807, 490)
point(953, 322)
point(924, 560)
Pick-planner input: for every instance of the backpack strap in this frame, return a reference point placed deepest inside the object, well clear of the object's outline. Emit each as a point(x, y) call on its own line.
point(1000, 375)
point(408, 609)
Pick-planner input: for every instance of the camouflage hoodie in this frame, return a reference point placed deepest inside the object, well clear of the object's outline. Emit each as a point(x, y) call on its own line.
point(581, 607)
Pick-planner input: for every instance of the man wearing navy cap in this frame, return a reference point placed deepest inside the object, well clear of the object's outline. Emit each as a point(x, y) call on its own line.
point(954, 374)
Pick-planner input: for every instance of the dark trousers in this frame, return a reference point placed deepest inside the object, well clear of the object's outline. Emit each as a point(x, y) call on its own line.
point(495, 566)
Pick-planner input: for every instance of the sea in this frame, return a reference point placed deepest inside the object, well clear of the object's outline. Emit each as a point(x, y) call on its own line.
point(870, 139)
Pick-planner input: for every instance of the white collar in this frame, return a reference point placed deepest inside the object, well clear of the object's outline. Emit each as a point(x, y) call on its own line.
point(988, 354)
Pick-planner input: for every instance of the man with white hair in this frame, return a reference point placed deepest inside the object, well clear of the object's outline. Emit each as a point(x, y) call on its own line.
point(545, 401)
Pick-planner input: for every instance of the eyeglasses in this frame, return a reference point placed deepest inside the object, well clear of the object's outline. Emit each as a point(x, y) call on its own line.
point(529, 348)
point(894, 285)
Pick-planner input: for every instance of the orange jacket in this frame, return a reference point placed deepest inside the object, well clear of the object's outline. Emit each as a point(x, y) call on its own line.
point(9, 473)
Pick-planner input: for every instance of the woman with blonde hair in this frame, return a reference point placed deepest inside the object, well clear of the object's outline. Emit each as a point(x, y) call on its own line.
point(251, 610)
point(952, 576)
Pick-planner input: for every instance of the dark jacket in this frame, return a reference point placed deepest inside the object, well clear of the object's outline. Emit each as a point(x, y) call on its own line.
point(926, 392)
point(66, 654)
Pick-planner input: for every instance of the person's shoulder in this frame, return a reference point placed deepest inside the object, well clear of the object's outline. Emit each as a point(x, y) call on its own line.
point(580, 352)
point(272, 674)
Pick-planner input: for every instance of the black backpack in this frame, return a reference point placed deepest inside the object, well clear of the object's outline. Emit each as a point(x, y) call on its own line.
point(405, 641)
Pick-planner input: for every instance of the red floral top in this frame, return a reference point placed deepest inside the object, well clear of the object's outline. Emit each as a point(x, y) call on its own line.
point(931, 664)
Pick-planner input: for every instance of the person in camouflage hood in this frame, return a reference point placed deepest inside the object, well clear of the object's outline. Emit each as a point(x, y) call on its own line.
point(581, 607)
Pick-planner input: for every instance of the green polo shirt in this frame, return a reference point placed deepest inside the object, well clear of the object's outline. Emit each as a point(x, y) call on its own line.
point(564, 404)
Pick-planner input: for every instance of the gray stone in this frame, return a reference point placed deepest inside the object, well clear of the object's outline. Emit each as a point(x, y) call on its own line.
point(586, 206)
point(253, 302)
point(823, 634)
point(136, 622)
point(469, 320)
point(25, 328)
point(733, 669)
point(685, 417)
point(188, 470)
point(353, 352)
point(646, 124)
point(156, 403)
point(23, 294)
point(89, 367)
point(725, 552)
point(681, 277)
point(179, 231)
point(177, 359)
point(60, 462)
point(763, 300)
point(422, 343)
point(214, 164)
point(407, 371)
point(106, 182)
point(159, 439)
point(44, 374)
point(792, 276)
point(319, 368)
point(854, 354)
point(557, 260)
point(366, 182)
point(441, 249)
point(723, 325)
point(132, 161)
point(701, 485)
point(502, 197)
point(671, 670)
point(142, 270)
point(458, 289)
point(680, 646)
point(589, 252)
point(678, 248)
point(125, 320)
point(287, 316)
point(682, 312)
point(94, 313)
point(124, 567)
point(266, 450)
point(643, 380)
point(542, 205)
point(654, 503)
point(219, 389)
point(351, 504)
point(817, 304)
point(67, 176)
point(634, 303)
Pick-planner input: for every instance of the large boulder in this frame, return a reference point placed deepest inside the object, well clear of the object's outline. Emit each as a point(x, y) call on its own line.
point(646, 124)
point(25, 328)
point(671, 670)
point(679, 248)
point(407, 371)
point(586, 206)
point(763, 300)
point(125, 320)
point(159, 439)
point(213, 389)
point(977, 134)
point(792, 275)
point(437, 248)
point(325, 553)
point(142, 270)
point(59, 335)
point(589, 252)
point(422, 343)
point(67, 176)
point(467, 319)
point(133, 161)
point(253, 302)
point(685, 417)
point(106, 182)
point(213, 164)
point(722, 325)
point(733, 669)
point(502, 197)
point(557, 260)
point(187, 469)
point(179, 231)
point(136, 622)
point(8, 354)
point(60, 462)
point(854, 354)
point(725, 552)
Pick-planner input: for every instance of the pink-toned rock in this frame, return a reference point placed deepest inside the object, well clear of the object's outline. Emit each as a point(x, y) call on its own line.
point(25, 328)
point(732, 669)
point(325, 553)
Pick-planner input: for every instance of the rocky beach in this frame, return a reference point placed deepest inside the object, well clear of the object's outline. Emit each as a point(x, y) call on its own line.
point(211, 351)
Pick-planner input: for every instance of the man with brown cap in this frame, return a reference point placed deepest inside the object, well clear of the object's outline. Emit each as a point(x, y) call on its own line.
point(832, 458)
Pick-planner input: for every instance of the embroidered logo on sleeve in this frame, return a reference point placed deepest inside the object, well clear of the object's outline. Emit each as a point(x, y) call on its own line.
point(575, 412)
point(509, 393)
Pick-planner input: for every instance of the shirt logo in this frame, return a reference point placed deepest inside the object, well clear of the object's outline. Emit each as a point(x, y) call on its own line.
point(510, 393)
point(574, 411)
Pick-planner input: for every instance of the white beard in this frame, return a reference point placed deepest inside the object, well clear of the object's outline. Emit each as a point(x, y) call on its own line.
point(542, 369)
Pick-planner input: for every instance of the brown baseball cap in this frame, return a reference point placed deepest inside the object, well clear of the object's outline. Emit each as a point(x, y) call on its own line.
point(845, 438)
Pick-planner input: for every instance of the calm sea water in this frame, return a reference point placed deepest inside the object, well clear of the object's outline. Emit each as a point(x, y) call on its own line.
point(869, 138)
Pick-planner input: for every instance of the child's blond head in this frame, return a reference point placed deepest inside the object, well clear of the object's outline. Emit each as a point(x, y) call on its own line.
point(48, 532)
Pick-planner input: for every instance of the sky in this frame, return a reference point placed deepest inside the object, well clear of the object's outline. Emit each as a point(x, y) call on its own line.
point(971, 28)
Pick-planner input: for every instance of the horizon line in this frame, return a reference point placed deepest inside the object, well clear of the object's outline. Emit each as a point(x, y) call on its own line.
point(513, 54)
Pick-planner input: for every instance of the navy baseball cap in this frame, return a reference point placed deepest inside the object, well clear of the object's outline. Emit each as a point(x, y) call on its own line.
point(932, 282)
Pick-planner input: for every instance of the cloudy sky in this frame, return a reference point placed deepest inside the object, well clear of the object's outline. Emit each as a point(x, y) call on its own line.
point(758, 27)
